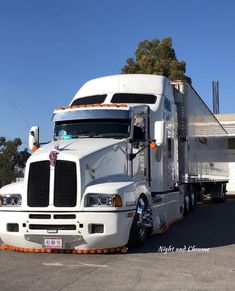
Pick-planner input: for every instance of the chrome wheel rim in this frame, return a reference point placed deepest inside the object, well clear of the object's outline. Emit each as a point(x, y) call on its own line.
point(141, 209)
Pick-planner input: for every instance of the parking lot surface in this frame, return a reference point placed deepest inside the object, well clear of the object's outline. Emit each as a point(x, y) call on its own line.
point(197, 253)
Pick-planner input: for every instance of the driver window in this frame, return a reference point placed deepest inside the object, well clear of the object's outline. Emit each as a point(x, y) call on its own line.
point(138, 133)
point(139, 127)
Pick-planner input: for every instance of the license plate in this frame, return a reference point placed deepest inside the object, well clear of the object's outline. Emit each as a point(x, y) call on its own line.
point(53, 243)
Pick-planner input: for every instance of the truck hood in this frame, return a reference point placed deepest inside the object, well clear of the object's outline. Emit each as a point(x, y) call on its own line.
point(13, 188)
point(75, 149)
point(95, 158)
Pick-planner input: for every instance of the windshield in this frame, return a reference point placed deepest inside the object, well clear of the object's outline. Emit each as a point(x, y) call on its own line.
point(106, 128)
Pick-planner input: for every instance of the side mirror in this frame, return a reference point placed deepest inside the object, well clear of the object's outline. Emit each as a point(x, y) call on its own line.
point(34, 138)
point(160, 132)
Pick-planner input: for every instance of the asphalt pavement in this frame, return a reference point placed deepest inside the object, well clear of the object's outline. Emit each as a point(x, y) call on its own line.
point(197, 253)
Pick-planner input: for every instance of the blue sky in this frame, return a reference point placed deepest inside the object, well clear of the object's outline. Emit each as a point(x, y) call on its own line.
point(49, 48)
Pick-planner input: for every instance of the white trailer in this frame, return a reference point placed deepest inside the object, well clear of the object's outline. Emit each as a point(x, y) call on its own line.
point(129, 156)
point(228, 122)
point(203, 154)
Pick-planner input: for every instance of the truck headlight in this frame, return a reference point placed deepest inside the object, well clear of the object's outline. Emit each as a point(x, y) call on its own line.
point(103, 200)
point(10, 200)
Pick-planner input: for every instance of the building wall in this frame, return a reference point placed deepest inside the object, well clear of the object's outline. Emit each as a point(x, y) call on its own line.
point(231, 184)
point(228, 122)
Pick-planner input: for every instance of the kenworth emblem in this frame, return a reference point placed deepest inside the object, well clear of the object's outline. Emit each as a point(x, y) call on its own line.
point(53, 158)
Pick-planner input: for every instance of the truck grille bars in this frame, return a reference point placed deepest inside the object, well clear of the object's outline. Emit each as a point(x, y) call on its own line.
point(65, 191)
point(38, 184)
point(65, 184)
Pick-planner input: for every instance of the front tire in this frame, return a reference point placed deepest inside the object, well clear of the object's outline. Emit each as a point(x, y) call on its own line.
point(141, 225)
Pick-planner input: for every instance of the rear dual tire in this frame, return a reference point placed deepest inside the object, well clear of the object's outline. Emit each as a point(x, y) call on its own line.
point(189, 200)
point(223, 196)
point(186, 205)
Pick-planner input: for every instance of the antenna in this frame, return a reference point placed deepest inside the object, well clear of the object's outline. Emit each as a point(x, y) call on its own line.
point(215, 96)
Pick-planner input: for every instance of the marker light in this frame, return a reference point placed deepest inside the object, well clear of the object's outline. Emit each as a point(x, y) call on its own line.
point(35, 148)
point(113, 105)
point(153, 145)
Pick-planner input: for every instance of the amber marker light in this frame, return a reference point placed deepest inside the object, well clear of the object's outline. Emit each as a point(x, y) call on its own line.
point(35, 148)
point(59, 108)
point(153, 146)
point(122, 250)
point(117, 201)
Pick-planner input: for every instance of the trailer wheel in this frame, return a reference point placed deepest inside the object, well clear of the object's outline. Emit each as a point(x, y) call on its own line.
point(192, 198)
point(200, 194)
point(223, 196)
point(141, 225)
point(186, 205)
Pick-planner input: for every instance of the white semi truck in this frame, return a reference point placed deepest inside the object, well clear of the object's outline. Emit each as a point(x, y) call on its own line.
point(130, 155)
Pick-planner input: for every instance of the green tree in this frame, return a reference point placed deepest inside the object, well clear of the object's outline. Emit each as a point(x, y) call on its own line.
point(156, 57)
point(12, 161)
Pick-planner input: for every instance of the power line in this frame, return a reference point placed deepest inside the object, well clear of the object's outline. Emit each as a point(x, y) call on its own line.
point(17, 109)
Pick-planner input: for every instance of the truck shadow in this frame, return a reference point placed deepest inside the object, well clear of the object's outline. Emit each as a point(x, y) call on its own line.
point(210, 225)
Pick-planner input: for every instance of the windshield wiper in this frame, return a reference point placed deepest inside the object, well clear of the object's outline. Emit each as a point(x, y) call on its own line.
point(83, 136)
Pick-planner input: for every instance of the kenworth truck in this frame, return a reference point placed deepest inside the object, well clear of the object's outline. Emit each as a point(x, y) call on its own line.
point(130, 155)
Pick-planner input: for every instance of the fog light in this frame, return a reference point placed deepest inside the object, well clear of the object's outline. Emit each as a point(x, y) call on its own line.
point(97, 228)
point(12, 227)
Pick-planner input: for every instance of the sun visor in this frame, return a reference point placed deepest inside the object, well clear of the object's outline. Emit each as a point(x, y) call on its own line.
point(90, 114)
